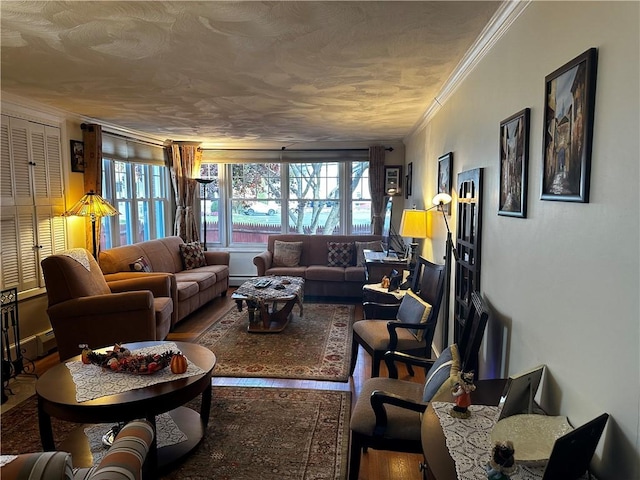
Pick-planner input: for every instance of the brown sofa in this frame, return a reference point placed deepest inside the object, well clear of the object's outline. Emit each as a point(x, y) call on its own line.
point(320, 279)
point(191, 288)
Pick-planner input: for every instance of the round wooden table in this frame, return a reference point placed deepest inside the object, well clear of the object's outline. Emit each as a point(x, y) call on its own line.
point(438, 462)
point(56, 392)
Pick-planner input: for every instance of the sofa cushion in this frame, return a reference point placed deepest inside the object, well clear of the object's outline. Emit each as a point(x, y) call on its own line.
point(355, 274)
point(326, 274)
point(413, 309)
point(192, 255)
point(292, 271)
point(186, 290)
point(203, 278)
point(340, 254)
point(140, 265)
point(286, 254)
point(376, 246)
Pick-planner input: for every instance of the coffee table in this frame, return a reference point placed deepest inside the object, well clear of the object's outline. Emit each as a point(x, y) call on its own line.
point(279, 289)
point(56, 392)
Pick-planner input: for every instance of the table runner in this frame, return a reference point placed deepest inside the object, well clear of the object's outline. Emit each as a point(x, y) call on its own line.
point(469, 442)
point(93, 381)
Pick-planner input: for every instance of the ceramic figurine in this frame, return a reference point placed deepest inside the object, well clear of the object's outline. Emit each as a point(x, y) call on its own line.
point(462, 393)
point(502, 463)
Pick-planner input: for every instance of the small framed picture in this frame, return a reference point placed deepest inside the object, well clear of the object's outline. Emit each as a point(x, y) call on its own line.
point(445, 177)
point(410, 178)
point(570, 94)
point(393, 180)
point(77, 156)
point(514, 161)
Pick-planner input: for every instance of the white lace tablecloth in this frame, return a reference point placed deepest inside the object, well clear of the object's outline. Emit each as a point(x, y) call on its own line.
point(93, 381)
point(469, 442)
point(4, 459)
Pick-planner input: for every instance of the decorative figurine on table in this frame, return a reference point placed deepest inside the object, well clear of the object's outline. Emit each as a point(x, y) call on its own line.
point(502, 462)
point(385, 282)
point(462, 393)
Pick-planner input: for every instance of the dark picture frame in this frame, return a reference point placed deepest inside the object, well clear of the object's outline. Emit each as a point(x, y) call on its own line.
point(393, 180)
point(514, 164)
point(410, 178)
point(445, 177)
point(570, 93)
point(76, 148)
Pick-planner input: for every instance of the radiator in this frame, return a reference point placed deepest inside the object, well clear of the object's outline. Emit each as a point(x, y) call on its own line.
point(46, 341)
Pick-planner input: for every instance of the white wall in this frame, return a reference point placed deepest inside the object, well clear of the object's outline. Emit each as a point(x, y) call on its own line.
point(564, 282)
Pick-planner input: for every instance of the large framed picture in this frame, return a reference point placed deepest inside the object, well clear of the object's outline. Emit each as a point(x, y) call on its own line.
point(445, 177)
point(514, 162)
point(568, 129)
point(393, 180)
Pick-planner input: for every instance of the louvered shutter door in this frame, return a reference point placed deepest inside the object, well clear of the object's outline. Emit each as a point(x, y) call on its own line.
point(51, 234)
point(6, 172)
point(39, 165)
point(54, 166)
point(27, 248)
point(9, 247)
point(18, 135)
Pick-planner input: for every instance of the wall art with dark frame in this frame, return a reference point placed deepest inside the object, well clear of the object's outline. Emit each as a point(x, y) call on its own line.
point(514, 164)
point(77, 155)
point(445, 177)
point(393, 180)
point(410, 178)
point(569, 102)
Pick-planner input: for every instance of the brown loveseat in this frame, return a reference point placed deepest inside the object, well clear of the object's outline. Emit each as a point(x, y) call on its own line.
point(191, 288)
point(313, 265)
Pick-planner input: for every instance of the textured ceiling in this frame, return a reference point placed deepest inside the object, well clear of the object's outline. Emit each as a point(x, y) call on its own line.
point(239, 73)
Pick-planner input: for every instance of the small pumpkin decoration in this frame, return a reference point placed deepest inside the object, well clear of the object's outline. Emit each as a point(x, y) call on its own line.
point(178, 363)
point(85, 352)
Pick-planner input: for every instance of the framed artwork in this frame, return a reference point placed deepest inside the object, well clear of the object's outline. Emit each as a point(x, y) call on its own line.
point(393, 180)
point(410, 178)
point(406, 187)
point(514, 162)
point(568, 129)
point(77, 156)
point(445, 177)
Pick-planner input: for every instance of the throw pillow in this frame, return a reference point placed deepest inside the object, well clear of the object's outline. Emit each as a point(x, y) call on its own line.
point(376, 246)
point(140, 265)
point(413, 309)
point(286, 254)
point(443, 373)
point(339, 254)
point(192, 255)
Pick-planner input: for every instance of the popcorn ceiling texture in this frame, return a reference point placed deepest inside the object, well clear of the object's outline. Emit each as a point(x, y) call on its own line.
point(229, 71)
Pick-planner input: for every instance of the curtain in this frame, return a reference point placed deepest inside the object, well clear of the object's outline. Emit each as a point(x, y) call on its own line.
point(184, 164)
point(376, 187)
point(92, 140)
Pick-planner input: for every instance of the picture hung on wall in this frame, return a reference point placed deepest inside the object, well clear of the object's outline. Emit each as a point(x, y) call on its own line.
point(393, 180)
point(406, 186)
point(77, 156)
point(445, 177)
point(514, 161)
point(568, 129)
point(410, 178)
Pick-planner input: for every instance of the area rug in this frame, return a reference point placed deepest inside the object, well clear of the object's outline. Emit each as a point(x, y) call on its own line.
point(253, 432)
point(316, 346)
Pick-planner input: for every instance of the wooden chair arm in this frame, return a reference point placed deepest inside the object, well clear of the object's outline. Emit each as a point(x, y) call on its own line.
point(381, 398)
point(391, 357)
point(393, 326)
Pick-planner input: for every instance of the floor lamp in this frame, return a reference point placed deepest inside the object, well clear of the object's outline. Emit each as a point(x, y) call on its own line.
point(204, 182)
point(439, 201)
point(94, 206)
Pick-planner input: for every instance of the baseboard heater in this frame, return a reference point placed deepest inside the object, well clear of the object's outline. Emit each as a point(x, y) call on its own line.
point(46, 341)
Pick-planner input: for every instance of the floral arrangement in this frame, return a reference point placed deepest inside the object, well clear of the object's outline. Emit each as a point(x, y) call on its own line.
point(122, 360)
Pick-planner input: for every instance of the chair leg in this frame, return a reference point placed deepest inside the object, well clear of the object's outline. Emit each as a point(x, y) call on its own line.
point(376, 358)
point(354, 356)
point(354, 457)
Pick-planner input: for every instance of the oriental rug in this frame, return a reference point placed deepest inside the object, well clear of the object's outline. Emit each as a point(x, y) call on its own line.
point(253, 432)
point(316, 346)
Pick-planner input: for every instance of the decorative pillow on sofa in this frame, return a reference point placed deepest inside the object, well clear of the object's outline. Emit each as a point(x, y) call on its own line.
point(413, 309)
point(140, 265)
point(339, 254)
point(376, 246)
point(192, 255)
point(443, 374)
point(286, 254)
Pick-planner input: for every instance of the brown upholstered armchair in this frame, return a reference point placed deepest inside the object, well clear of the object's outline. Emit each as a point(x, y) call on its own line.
point(84, 308)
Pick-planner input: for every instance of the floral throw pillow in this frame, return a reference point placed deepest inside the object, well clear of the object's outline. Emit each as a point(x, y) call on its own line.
point(140, 265)
point(340, 254)
point(192, 255)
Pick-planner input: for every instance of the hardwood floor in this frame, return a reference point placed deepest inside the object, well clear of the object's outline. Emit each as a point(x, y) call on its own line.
point(375, 465)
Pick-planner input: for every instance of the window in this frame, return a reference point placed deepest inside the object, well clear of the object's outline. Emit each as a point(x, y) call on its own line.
point(136, 182)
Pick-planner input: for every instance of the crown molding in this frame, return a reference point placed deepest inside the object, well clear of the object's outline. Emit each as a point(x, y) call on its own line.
point(501, 21)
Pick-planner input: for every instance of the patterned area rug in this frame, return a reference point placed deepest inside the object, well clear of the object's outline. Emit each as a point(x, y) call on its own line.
point(266, 433)
point(316, 346)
